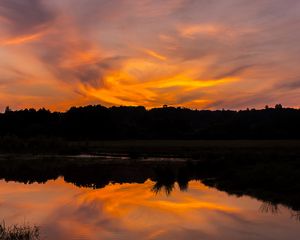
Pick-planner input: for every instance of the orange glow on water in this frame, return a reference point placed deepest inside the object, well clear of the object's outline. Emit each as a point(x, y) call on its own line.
point(133, 211)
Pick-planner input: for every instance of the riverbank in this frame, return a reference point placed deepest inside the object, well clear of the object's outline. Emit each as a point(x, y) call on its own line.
point(146, 148)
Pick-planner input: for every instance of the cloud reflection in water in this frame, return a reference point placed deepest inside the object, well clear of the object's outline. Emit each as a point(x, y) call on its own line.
point(133, 211)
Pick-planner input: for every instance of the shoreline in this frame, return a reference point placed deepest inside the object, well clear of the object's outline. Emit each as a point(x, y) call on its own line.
point(139, 148)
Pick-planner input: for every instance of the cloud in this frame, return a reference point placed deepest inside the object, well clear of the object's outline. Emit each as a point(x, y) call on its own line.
point(193, 30)
point(25, 16)
point(293, 84)
point(153, 52)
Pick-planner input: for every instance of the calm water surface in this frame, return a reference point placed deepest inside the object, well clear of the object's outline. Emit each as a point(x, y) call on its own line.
point(134, 211)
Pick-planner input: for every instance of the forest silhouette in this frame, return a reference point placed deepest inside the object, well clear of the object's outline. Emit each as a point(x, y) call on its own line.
point(117, 123)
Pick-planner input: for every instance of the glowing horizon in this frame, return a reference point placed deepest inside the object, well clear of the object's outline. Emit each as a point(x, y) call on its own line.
point(198, 54)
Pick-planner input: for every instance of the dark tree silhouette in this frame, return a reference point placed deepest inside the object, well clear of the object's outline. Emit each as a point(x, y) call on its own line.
point(101, 123)
point(7, 110)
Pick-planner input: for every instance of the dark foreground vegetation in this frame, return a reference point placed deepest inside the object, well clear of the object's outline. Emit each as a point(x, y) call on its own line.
point(117, 123)
point(19, 232)
point(97, 129)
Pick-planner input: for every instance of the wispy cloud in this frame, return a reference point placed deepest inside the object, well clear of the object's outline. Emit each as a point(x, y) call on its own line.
point(182, 52)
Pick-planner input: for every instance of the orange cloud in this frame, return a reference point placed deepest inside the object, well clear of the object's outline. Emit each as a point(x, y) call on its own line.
point(138, 82)
point(158, 52)
point(80, 57)
point(155, 55)
point(22, 39)
point(191, 31)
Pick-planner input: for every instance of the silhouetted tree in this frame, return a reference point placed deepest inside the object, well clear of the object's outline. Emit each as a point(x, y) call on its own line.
point(99, 122)
point(7, 110)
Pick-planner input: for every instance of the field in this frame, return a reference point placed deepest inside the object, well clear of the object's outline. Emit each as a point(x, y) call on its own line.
point(133, 148)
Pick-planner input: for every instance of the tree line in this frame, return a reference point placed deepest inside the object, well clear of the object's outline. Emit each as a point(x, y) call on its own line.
point(102, 123)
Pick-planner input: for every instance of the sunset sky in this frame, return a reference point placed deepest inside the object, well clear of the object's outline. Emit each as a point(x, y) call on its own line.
point(208, 54)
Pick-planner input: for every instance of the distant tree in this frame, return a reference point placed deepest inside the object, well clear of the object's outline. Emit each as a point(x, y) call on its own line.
point(7, 109)
point(278, 106)
point(266, 107)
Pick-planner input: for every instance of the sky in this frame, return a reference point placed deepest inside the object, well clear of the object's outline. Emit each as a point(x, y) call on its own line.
point(204, 54)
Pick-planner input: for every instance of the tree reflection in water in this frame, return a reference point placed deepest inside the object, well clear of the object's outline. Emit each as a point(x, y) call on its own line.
point(238, 178)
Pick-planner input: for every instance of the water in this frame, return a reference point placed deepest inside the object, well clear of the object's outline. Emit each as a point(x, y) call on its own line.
point(137, 211)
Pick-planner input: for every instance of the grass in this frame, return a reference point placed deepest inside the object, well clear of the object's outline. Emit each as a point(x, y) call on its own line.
point(191, 148)
point(19, 232)
point(141, 148)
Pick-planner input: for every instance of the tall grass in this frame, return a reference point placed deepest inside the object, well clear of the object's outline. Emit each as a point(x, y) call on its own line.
point(19, 232)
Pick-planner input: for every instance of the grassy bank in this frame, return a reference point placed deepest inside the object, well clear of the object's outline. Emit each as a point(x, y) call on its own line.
point(147, 148)
point(194, 148)
point(19, 232)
